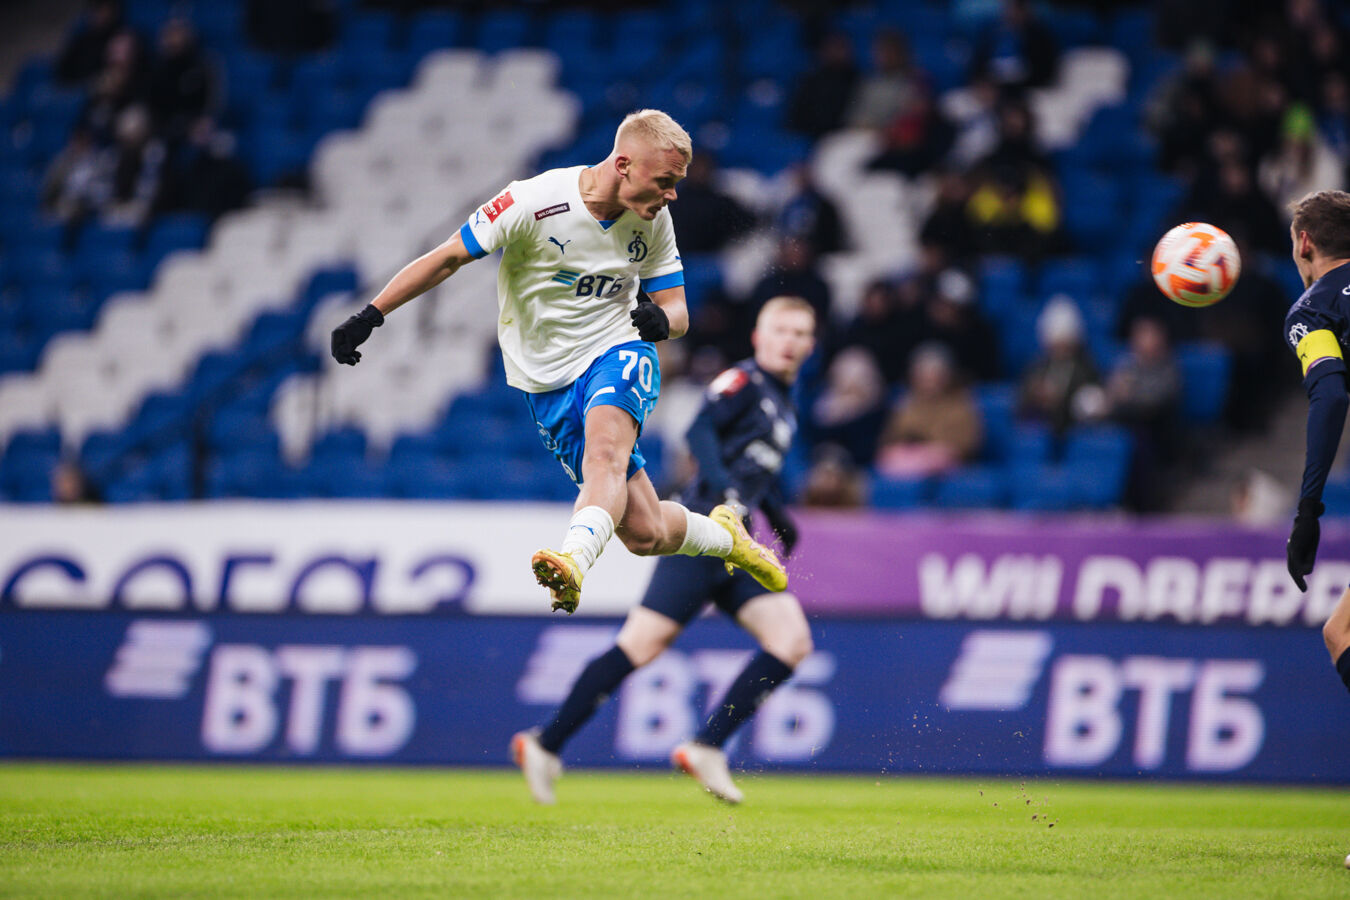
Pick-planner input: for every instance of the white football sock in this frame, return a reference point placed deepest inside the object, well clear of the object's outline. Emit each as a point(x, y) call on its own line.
point(587, 534)
point(704, 537)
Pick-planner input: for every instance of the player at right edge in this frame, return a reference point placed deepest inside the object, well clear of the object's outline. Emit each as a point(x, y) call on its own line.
point(1318, 330)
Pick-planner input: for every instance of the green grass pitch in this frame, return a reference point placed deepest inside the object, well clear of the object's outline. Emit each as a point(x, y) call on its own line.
point(152, 831)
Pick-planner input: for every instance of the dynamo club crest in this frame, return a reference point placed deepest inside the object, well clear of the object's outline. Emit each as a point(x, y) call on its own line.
point(637, 248)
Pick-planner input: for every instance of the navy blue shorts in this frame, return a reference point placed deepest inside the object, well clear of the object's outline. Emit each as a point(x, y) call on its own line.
point(626, 376)
point(681, 585)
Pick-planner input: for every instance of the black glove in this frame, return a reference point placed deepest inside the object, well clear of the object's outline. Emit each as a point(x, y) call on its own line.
point(651, 321)
point(1302, 546)
point(783, 526)
point(353, 332)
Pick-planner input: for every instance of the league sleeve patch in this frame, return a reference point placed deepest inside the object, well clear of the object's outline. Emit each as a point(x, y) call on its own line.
point(499, 204)
point(728, 383)
point(549, 210)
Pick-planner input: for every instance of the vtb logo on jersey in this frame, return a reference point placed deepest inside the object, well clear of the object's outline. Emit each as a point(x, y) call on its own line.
point(589, 285)
point(637, 248)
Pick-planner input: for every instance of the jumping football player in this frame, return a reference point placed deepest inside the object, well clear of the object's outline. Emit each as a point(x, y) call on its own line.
point(739, 438)
point(1318, 330)
point(580, 245)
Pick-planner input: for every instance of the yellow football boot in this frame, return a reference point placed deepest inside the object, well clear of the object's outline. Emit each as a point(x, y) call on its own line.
point(748, 553)
point(560, 573)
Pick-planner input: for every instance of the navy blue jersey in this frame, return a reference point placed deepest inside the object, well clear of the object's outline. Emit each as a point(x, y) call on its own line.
point(1318, 324)
point(740, 437)
point(1318, 331)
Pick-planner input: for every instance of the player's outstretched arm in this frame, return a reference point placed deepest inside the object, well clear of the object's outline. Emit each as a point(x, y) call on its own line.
point(671, 302)
point(413, 280)
point(1327, 405)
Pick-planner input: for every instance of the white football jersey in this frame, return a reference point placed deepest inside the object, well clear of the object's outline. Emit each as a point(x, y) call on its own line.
point(566, 282)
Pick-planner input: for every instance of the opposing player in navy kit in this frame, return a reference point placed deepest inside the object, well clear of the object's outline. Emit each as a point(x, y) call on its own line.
point(1318, 330)
point(739, 439)
point(580, 246)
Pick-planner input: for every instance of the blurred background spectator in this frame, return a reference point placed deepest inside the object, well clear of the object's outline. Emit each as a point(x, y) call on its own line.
point(1062, 385)
point(1143, 392)
point(850, 410)
point(936, 426)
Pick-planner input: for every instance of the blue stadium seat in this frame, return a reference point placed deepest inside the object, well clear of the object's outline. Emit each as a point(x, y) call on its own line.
point(997, 402)
point(166, 476)
point(702, 279)
point(504, 29)
point(1078, 276)
point(97, 238)
point(330, 280)
point(1098, 458)
point(162, 419)
point(106, 272)
point(215, 373)
point(1205, 370)
point(101, 451)
point(232, 429)
point(344, 477)
point(899, 493)
point(1003, 283)
point(434, 31)
point(428, 477)
point(251, 473)
point(370, 29)
point(27, 464)
point(180, 231)
point(1028, 443)
point(1094, 209)
point(1042, 487)
point(344, 444)
point(972, 487)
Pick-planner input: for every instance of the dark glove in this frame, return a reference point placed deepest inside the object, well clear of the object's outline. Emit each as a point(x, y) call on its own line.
point(353, 332)
point(651, 321)
point(1302, 546)
point(783, 526)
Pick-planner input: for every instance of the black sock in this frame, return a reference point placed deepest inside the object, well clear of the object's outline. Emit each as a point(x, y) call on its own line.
point(1343, 666)
point(592, 688)
point(755, 683)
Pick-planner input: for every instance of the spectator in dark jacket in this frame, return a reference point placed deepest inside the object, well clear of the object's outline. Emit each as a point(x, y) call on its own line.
point(182, 84)
point(707, 218)
point(1017, 49)
point(823, 92)
point(83, 54)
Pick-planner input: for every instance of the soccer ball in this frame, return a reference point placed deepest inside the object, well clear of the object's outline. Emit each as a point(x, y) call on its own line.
point(1196, 264)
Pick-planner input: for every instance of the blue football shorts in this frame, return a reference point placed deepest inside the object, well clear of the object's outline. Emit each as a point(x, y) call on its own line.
point(682, 585)
point(626, 376)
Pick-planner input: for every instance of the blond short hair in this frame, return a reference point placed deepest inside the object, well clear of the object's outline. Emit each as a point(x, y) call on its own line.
point(784, 301)
point(657, 129)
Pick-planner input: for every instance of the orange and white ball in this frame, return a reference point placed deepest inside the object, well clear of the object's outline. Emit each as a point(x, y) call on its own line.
point(1196, 264)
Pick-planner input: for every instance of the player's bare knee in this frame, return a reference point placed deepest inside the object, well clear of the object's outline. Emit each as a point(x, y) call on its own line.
point(605, 458)
point(791, 646)
point(641, 646)
point(641, 539)
point(1336, 637)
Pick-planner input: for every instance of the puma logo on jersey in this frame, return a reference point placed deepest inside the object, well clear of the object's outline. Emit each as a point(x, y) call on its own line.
point(562, 245)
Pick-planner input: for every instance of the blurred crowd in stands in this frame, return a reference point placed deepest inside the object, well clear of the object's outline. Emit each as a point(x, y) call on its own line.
point(1256, 113)
point(147, 140)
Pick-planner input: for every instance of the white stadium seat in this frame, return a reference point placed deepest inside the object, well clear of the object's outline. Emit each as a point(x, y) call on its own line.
point(383, 194)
